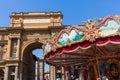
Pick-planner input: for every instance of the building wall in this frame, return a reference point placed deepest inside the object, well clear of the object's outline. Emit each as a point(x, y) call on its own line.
point(27, 32)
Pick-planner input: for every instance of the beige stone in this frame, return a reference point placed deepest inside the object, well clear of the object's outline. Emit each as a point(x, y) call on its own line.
point(27, 31)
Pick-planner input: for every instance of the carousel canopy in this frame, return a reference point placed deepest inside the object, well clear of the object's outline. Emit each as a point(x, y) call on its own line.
point(80, 44)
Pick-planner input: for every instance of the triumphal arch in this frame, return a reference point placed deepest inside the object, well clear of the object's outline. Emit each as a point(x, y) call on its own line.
point(27, 31)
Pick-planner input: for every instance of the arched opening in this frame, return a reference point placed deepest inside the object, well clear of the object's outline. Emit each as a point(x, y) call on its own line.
point(38, 53)
point(41, 56)
point(33, 62)
point(1, 74)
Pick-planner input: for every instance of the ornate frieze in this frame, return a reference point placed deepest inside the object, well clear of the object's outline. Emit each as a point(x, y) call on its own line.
point(36, 21)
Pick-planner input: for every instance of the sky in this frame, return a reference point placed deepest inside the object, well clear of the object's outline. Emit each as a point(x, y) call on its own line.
point(74, 11)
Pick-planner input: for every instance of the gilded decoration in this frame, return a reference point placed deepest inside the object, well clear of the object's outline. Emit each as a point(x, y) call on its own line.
point(90, 31)
point(110, 26)
point(47, 47)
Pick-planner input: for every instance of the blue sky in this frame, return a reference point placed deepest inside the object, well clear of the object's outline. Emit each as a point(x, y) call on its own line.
point(75, 11)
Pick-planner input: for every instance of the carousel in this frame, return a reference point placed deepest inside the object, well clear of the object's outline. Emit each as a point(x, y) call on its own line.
point(87, 52)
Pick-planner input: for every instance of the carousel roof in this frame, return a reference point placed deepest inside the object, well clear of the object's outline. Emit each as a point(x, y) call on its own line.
point(80, 44)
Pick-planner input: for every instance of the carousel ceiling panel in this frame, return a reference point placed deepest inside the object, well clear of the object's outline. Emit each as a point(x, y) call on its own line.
point(111, 48)
point(67, 61)
point(77, 57)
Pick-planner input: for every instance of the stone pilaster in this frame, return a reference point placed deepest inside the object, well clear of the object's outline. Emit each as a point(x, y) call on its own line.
point(18, 48)
point(9, 48)
point(41, 65)
point(6, 73)
point(16, 73)
point(63, 73)
point(52, 73)
point(21, 71)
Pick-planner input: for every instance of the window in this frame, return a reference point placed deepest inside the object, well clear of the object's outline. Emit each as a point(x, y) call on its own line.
point(13, 54)
point(14, 48)
point(14, 43)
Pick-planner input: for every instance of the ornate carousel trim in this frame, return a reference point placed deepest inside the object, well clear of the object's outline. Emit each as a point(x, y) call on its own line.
point(98, 31)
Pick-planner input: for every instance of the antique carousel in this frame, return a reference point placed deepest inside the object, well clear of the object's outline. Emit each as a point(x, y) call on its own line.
point(91, 51)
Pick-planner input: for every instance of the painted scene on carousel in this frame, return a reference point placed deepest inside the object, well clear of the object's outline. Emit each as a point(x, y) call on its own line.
point(98, 31)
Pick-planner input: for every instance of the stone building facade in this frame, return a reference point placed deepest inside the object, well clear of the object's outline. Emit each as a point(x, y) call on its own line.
point(27, 31)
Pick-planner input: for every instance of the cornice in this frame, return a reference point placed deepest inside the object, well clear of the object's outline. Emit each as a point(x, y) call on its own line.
point(2, 61)
point(35, 14)
point(11, 60)
point(3, 28)
point(3, 41)
point(35, 29)
point(56, 27)
point(15, 28)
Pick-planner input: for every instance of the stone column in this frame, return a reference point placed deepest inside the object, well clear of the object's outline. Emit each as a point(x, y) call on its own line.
point(6, 73)
point(63, 73)
point(21, 71)
point(66, 75)
point(18, 48)
point(16, 73)
point(52, 73)
point(41, 65)
point(9, 48)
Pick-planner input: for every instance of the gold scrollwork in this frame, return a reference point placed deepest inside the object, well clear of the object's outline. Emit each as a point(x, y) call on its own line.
point(91, 32)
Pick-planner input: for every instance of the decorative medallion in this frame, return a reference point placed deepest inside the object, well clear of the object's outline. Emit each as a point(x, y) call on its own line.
point(91, 31)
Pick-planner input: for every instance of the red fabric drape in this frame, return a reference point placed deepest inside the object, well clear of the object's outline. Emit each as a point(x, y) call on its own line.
point(84, 45)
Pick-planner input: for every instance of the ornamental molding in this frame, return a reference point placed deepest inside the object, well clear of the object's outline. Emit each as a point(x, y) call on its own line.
point(28, 42)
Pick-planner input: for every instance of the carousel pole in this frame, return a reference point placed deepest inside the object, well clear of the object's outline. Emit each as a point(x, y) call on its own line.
point(98, 69)
point(97, 62)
